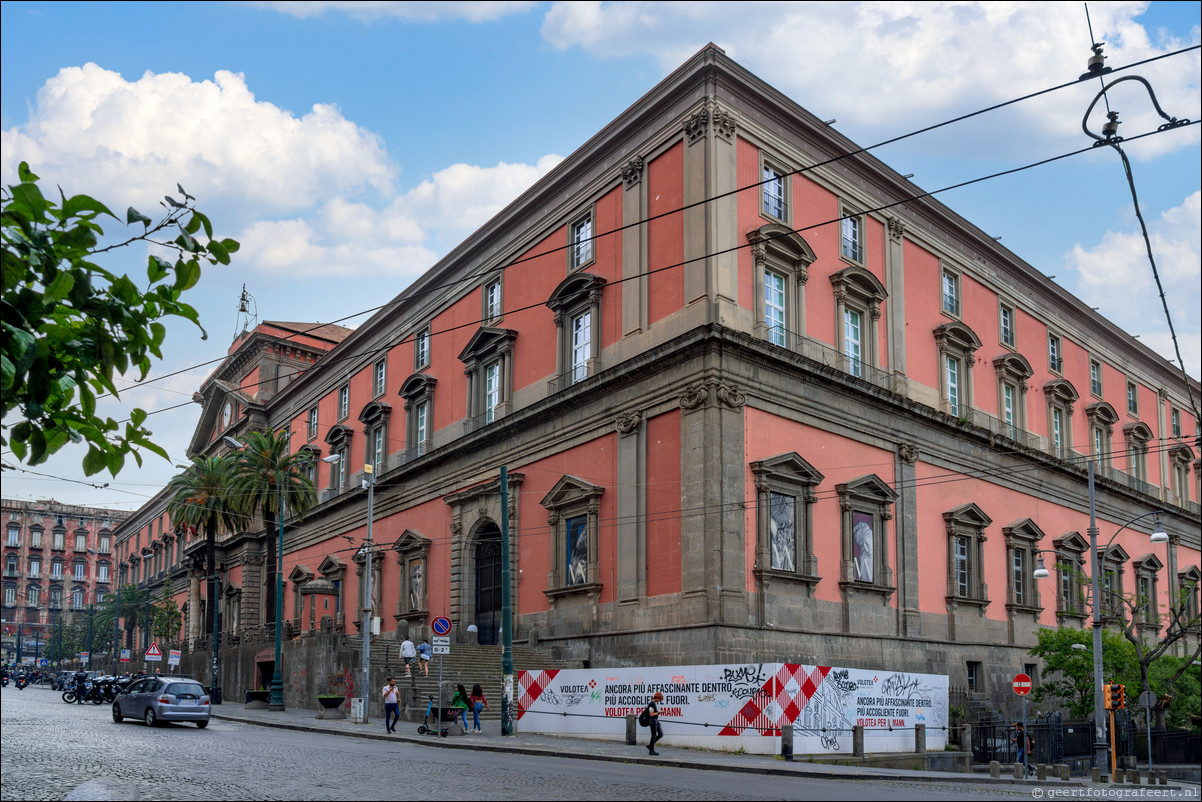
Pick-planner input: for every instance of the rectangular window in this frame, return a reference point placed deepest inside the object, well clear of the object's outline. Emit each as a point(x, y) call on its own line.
point(59, 538)
point(1132, 398)
point(102, 573)
point(582, 345)
point(581, 252)
point(421, 349)
point(1095, 377)
point(1057, 431)
point(1054, 358)
point(56, 598)
point(312, 432)
point(35, 539)
point(772, 191)
point(492, 391)
point(1006, 325)
point(35, 569)
point(33, 597)
point(782, 532)
point(577, 550)
point(1018, 570)
point(1008, 408)
point(951, 293)
point(960, 567)
point(851, 342)
point(377, 449)
point(422, 431)
point(344, 402)
point(105, 544)
point(78, 572)
point(56, 571)
point(852, 247)
point(492, 300)
point(381, 378)
point(14, 536)
point(338, 470)
point(1175, 422)
point(1097, 442)
point(774, 307)
point(10, 597)
point(976, 682)
point(953, 386)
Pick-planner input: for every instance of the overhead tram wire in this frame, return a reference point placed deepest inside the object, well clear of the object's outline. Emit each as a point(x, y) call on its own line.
point(473, 277)
point(734, 249)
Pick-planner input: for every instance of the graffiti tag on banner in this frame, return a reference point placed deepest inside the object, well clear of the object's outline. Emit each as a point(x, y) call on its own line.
point(742, 706)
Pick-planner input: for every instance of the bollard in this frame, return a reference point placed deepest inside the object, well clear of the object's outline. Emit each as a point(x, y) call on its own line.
point(1095, 775)
point(1118, 776)
point(966, 739)
point(920, 738)
point(1062, 771)
point(995, 769)
point(1041, 772)
point(786, 742)
point(632, 729)
point(857, 740)
point(1133, 776)
point(1020, 771)
point(1164, 777)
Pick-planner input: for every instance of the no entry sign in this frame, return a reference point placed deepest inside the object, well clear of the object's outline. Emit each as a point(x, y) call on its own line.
point(1021, 684)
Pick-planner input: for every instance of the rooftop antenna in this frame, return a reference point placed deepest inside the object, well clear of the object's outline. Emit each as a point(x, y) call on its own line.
point(248, 313)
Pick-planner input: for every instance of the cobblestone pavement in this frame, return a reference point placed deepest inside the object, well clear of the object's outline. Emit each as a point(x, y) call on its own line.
point(57, 751)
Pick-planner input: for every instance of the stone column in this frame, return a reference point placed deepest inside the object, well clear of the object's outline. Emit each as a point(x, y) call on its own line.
point(193, 606)
point(634, 248)
point(632, 507)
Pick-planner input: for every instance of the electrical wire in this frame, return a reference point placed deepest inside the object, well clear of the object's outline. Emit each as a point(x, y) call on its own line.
point(473, 277)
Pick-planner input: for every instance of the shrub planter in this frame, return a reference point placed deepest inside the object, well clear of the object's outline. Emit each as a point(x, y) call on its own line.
point(331, 706)
point(257, 699)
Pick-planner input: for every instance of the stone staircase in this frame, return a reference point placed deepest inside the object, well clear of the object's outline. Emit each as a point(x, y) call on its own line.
point(466, 664)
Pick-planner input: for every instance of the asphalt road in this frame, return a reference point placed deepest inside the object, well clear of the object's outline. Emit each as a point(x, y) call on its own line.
point(56, 751)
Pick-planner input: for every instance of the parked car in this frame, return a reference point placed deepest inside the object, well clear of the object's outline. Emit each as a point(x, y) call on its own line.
point(163, 698)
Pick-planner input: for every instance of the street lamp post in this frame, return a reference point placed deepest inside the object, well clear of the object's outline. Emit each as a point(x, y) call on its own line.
point(370, 483)
point(1101, 747)
point(276, 700)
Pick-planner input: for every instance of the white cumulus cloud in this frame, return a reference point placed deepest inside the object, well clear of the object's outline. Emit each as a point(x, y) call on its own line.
point(1115, 276)
point(409, 11)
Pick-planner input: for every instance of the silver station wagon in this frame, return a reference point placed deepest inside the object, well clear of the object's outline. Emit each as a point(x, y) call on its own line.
point(158, 699)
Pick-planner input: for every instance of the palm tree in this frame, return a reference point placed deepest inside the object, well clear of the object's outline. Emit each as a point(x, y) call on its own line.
point(270, 480)
point(203, 497)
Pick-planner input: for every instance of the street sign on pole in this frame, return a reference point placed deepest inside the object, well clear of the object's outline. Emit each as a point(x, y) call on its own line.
point(173, 657)
point(153, 654)
point(125, 655)
point(441, 625)
point(1021, 684)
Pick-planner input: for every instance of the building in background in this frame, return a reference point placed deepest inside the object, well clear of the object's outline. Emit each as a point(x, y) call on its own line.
point(758, 400)
point(58, 560)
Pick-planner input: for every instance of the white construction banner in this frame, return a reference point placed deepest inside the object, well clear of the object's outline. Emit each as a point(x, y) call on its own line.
point(732, 707)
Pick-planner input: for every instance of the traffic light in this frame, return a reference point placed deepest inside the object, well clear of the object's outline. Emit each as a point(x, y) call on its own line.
point(1116, 698)
point(1107, 698)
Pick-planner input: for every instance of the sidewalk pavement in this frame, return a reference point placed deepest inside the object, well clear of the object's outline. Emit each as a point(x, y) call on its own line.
point(523, 743)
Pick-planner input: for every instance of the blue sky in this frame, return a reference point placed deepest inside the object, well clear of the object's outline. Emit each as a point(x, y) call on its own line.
point(349, 145)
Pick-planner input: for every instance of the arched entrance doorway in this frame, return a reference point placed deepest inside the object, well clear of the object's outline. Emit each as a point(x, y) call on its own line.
point(488, 584)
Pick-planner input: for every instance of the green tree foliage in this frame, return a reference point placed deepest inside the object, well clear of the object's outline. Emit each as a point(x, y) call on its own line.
point(268, 479)
point(165, 615)
point(1068, 673)
point(129, 602)
point(71, 326)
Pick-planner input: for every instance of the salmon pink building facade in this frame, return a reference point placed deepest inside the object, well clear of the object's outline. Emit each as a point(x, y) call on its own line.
point(754, 404)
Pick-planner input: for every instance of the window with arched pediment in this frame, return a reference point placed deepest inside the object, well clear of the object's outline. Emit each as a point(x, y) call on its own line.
point(576, 303)
point(418, 393)
point(1022, 541)
point(858, 298)
point(1013, 371)
point(1102, 417)
point(1137, 436)
point(867, 506)
point(339, 440)
point(957, 347)
point(374, 418)
point(573, 511)
point(782, 263)
point(1069, 555)
point(1060, 396)
point(1181, 457)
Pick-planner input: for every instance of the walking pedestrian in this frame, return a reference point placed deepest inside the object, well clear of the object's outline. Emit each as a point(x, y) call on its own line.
point(392, 709)
point(478, 703)
point(424, 652)
point(657, 732)
point(407, 654)
point(460, 701)
point(1024, 743)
